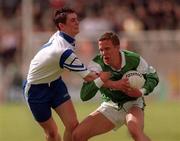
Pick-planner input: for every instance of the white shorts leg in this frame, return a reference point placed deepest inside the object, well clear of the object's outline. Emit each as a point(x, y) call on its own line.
point(117, 114)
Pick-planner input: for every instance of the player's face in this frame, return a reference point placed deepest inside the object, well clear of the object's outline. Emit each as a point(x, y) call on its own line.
point(71, 26)
point(108, 51)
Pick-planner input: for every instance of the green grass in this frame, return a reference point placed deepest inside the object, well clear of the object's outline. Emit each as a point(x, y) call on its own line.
point(162, 123)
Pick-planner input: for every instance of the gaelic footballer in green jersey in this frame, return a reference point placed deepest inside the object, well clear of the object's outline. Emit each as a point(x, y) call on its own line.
point(130, 61)
point(123, 104)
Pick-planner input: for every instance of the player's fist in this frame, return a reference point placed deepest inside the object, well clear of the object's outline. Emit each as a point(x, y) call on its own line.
point(105, 76)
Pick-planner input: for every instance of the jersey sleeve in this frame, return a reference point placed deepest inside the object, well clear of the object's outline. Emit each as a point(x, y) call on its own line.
point(89, 89)
point(70, 61)
point(152, 80)
point(150, 76)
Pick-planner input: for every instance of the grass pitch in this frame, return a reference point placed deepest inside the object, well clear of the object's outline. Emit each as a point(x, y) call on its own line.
point(161, 123)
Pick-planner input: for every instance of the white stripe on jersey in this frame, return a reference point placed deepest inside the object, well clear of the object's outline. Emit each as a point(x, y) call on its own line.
point(74, 64)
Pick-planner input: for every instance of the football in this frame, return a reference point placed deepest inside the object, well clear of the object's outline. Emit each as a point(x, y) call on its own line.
point(135, 78)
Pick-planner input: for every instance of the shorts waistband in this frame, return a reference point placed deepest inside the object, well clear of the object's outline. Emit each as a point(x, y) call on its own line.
point(45, 84)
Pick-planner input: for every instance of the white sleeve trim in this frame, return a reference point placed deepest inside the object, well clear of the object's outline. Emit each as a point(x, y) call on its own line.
point(83, 74)
point(98, 82)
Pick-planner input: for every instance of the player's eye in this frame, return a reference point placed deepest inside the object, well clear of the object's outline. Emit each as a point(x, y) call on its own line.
point(107, 48)
point(74, 20)
point(101, 50)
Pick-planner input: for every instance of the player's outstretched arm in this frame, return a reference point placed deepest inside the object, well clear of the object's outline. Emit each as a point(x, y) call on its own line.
point(90, 88)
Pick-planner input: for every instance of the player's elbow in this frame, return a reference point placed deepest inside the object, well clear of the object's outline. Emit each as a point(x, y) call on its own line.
point(88, 91)
point(84, 96)
point(84, 99)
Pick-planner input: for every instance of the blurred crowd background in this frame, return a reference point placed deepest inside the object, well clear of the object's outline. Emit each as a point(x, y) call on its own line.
point(145, 26)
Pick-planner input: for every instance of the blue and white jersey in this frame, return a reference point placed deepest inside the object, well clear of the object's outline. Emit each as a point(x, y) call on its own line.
point(49, 63)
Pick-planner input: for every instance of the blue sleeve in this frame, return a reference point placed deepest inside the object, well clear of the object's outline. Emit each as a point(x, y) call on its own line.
point(70, 61)
point(64, 56)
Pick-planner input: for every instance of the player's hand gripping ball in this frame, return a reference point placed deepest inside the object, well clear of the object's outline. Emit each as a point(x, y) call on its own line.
point(136, 79)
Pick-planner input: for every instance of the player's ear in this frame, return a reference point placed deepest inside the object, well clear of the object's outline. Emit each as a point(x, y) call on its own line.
point(61, 26)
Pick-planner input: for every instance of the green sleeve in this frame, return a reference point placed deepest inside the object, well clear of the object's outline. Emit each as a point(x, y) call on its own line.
point(151, 82)
point(88, 90)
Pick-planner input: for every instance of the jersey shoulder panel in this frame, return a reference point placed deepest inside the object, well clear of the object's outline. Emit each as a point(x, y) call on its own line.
point(131, 55)
point(132, 60)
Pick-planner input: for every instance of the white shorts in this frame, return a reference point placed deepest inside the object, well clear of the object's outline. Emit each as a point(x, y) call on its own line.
point(116, 114)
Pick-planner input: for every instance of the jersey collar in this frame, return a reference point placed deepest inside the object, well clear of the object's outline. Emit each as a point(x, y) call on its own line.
point(67, 37)
point(123, 59)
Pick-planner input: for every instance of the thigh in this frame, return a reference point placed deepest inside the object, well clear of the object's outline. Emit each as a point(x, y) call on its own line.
point(95, 124)
point(135, 112)
point(66, 112)
point(114, 113)
point(135, 115)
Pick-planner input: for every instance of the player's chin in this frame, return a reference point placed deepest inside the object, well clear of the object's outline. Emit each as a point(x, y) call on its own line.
point(76, 31)
point(106, 61)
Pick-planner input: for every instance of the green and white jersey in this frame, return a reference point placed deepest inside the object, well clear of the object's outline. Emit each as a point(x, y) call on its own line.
point(130, 61)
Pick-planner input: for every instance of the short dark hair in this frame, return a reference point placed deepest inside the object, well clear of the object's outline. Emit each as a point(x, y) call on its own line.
point(60, 15)
point(110, 36)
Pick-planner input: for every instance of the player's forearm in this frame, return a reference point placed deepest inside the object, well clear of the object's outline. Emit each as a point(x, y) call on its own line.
point(90, 87)
point(111, 84)
point(88, 90)
point(152, 81)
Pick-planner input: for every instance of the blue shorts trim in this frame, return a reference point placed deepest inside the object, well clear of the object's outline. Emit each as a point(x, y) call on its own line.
point(42, 97)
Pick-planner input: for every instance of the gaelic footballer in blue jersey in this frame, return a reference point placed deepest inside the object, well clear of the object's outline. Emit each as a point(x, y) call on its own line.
point(45, 88)
point(122, 103)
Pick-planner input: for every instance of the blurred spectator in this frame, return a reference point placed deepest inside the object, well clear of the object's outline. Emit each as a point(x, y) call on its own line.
point(8, 7)
point(8, 48)
point(86, 50)
point(141, 14)
point(9, 73)
point(94, 25)
point(57, 3)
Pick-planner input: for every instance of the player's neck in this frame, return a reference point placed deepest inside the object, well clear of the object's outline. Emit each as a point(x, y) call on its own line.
point(117, 62)
point(68, 33)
